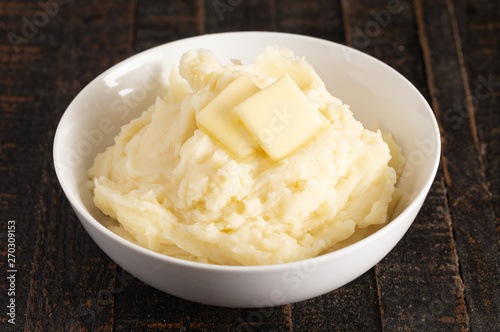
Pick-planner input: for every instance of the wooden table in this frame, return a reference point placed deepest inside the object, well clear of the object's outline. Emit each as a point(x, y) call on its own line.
point(444, 274)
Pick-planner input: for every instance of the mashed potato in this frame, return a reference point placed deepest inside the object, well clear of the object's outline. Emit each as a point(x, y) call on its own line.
point(178, 191)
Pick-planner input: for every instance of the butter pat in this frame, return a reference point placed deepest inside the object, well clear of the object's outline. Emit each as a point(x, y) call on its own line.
point(218, 119)
point(280, 118)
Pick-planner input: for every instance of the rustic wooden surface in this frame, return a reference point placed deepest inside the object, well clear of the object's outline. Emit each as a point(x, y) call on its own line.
point(443, 276)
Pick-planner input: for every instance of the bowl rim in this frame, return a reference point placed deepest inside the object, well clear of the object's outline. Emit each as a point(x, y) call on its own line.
point(80, 208)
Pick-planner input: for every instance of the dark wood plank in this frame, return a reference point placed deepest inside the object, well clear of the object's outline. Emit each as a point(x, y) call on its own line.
point(479, 28)
point(159, 22)
point(353, 307)
point(314, 18)
point(238, 15)
point(414, 293)
point(20, 192)
point(469, 200)
point(66, 280)
point(419, 281)
point(340, 309)
point(141, 307)
point(22, 117)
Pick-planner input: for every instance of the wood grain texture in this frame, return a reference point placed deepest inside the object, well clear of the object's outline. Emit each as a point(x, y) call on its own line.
point(353, 307)
point(70, 281)
point(159, 311)
point(469, 200)
point(160, 22)
point(22, 124)
point(479, 29)
point(238, 15)
point(320, 19)
point(414, 292)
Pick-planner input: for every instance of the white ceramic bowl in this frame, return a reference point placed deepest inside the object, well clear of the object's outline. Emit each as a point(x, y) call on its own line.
point(378, 95)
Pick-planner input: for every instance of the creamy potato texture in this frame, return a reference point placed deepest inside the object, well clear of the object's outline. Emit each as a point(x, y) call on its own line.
point(175, 189)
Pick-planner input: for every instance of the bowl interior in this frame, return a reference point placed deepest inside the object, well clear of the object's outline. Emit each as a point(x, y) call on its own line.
point(378, 96)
